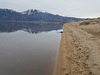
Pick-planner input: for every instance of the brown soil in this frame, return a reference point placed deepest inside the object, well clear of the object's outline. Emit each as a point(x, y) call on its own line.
point(63, 23)
point(79, 52)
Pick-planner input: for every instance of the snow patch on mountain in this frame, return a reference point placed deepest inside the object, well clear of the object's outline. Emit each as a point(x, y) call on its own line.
point(31, 11)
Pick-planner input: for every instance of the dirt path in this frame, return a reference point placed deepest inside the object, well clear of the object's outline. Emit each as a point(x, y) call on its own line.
point(79, 52)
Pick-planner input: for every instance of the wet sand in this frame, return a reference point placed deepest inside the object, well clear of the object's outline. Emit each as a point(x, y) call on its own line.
point(79, 52)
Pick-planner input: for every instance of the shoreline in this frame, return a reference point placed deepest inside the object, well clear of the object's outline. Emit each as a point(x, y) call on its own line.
point(60, 68)
point(57, 58)
point(79, 50)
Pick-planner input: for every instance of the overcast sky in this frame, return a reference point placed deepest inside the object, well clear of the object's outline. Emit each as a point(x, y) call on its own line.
point(73, 8)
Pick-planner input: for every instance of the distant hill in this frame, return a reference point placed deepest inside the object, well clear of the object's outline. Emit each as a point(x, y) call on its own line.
point(33, 15)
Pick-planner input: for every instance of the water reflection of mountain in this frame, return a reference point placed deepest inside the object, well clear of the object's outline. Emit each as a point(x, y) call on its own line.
point(28, 27)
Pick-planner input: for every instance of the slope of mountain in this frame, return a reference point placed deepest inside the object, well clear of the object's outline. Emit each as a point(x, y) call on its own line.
point(6, 14)
point(33, 15)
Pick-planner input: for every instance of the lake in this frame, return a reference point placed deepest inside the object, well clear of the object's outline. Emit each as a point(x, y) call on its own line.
point(28, 50)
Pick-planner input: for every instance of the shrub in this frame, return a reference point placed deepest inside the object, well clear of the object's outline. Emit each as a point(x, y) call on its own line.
point(85, 23)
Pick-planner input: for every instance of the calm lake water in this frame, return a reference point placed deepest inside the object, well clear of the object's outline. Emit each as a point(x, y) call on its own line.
point(23, 53)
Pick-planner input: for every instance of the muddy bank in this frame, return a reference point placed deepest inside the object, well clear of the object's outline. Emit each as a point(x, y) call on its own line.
point(79, 50)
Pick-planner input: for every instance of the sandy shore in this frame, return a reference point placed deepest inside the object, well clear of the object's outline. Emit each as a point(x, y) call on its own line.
point(79, 52)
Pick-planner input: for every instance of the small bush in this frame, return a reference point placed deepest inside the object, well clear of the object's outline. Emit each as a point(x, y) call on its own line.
point(85, 23)
point(87, 19)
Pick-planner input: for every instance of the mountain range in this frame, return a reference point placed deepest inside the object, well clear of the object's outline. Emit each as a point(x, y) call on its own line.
point(33, 15)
